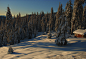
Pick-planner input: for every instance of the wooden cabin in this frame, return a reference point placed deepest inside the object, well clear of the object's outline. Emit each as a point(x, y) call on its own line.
point(80, 33)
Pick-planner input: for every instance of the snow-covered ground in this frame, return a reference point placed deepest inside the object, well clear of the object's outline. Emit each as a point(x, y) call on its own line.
point(43, 48)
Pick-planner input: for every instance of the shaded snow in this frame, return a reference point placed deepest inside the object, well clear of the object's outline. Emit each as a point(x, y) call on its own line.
point(43, 48)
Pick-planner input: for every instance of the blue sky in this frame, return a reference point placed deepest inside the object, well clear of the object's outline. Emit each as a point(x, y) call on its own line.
point(29, 6)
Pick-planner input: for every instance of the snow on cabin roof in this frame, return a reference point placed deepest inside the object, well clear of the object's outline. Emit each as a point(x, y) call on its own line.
point(80, 31)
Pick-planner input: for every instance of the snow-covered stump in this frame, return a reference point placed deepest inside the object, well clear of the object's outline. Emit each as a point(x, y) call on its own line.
point(10, 50)
point(49, 35)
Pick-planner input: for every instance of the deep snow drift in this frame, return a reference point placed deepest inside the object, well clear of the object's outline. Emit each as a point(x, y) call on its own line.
point(43, 48)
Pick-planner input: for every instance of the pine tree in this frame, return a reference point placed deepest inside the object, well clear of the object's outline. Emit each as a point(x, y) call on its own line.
point(51, 20)
point(8, 24)
point(31, 21)
point(58, 15)
point(35, 32)
point(20, 32)
point(47, 27)
point(12, 38)
point(34, 22)
point(16, 34)
point(30, 30)
point(39, 23)
point(19, 19)
point(0, 42)
point(0, 39)
point(61, 32)
point(68, 13)
point(16, 38)
point(8, 19)
point(43, 24)
point(2, 25)
point(10, 50)
point(46, 21)
point(27, 18)
point(5, 39)
point(37, 18)
point(76, 20)
point(84, 17)
point(27, 33)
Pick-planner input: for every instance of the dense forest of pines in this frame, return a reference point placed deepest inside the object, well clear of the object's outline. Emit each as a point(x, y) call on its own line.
point(12, 30)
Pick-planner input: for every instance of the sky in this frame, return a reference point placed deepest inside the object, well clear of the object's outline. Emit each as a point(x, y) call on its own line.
point(29, 6)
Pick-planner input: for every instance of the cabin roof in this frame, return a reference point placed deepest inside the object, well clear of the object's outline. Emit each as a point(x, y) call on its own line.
point(80, 31)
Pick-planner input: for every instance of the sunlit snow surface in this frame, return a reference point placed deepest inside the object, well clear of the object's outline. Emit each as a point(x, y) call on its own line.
point(43, 48)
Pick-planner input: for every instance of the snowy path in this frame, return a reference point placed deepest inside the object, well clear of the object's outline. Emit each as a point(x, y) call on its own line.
point(43, 48)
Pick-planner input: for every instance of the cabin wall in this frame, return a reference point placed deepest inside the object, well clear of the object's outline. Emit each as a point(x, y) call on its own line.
point(80, 36)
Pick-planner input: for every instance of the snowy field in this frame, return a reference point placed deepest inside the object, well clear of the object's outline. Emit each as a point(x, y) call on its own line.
point(43, 48)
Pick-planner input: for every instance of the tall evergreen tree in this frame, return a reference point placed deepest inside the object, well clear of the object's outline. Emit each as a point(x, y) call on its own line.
point(43, 23)
point(58, 15)
point(61, 32)
point(37, 17)
point(30, 29)
point(0, 39)
point(39, 23)
point(8, 24)
point(76, 20)
point(51, 20)
point(46, 22)
point(8, 19)
point(84, 18)
point(68, 14)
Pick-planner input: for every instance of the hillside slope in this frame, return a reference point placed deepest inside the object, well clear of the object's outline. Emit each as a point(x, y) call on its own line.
point(43, 48)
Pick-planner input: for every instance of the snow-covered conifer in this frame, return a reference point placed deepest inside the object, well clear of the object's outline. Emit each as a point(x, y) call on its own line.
point(62, 29)
point(84, 17)
point(39, 23)
point(43, 24)
point(46, 22)
point(10, 50)
point(49, 34)
point(68, 14)
point(58, 14)
point(5, 39)
point(62, 32)
point(30, 30)
point(76, 20)
point(0, 39)
point(51, 20)
point(35, 32)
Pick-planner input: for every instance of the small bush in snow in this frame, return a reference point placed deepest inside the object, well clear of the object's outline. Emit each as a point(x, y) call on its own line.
point(61, 41)
point(10, 51)
point(49, 35)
